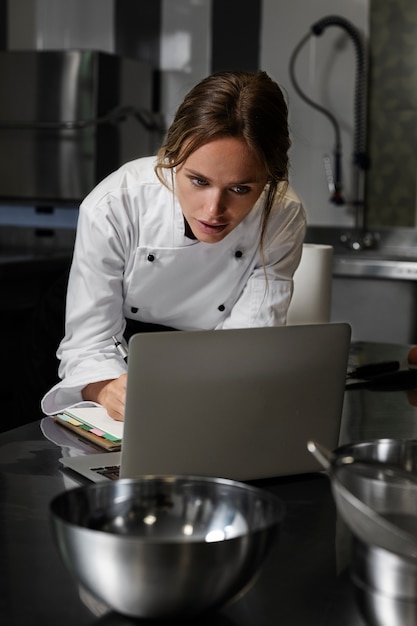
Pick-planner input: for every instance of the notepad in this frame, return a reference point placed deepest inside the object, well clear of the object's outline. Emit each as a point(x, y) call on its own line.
point(93, 424)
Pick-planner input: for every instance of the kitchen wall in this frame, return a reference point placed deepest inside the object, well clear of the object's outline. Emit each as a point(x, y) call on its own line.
point(325, 69)
point(174, 36)
point(184, 48)
point(196, 35)
point(326, 72)
point(50, 24)
point(265, 32)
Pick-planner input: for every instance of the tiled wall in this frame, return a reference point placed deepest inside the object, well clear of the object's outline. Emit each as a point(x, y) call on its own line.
point(391, 182)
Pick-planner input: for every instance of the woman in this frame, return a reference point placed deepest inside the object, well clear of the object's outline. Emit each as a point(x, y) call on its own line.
point(205, 236)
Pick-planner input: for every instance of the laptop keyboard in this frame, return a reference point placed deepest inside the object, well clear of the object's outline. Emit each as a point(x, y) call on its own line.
point(112, 472)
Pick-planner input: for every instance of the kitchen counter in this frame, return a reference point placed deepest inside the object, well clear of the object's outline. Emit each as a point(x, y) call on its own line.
point(375, 286)
point(305, 580)
point(388, 253)
point(375, 266)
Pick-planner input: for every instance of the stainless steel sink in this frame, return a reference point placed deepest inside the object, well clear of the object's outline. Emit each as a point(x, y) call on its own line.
point(392, 268)
point(375, 288)
point(396, 242)
point(393, 253)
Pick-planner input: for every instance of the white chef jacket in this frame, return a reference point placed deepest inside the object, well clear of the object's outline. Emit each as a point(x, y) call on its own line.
point(132, 260)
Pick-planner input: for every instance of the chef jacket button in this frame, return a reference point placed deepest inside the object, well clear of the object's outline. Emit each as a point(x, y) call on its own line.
point(151, 258)
point(134, 309)
point(238, 254)
point(221, 307)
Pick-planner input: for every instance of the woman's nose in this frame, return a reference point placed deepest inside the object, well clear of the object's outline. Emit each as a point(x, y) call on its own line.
point(215, 203)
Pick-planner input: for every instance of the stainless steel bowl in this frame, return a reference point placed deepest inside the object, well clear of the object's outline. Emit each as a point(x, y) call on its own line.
point(380, 504)
point(161, 546)
point(384, 548)
point(385, 585)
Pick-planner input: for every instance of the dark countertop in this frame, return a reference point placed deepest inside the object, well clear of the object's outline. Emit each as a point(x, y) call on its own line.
point(305, 581)
point(298, 584)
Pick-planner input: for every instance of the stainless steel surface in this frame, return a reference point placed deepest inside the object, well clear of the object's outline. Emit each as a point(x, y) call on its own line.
point(367, 466)
point(52, 150)
point(376, 498)
point(380, 512)
point(378, 309)
point(322, 454)
point(385, 586)
point(374, 267)
point(394, 255)
point(384, 571)
point(390, 243)
point(159, 547)
point(374, 290)
point(384, 545)
point(379, 507)
point(398, 452)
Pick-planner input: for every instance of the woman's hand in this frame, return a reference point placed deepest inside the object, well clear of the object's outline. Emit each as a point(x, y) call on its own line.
point(109, 393)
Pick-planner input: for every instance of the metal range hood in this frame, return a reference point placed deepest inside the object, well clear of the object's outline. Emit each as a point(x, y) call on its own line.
point(67, 119)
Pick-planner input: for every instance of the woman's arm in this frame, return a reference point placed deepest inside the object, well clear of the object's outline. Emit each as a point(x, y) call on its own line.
point(94, 307)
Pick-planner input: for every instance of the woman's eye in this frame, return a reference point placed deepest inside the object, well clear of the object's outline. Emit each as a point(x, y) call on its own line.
point(241, 189)
point(199, 182)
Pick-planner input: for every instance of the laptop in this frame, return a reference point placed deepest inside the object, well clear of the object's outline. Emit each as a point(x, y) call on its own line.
point(239, 404)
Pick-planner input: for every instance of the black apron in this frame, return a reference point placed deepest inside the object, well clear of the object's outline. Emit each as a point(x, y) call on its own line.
point(134, 326)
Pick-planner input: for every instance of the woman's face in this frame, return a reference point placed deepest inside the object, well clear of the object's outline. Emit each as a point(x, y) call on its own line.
point(217, 186)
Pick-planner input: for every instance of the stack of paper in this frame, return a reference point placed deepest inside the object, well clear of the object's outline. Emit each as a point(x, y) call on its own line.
point(94, 424)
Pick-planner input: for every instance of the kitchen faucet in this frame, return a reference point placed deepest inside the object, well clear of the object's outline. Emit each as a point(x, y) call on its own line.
point(360, 239)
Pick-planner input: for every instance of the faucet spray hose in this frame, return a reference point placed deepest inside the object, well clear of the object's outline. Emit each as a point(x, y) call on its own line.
point(360, 157)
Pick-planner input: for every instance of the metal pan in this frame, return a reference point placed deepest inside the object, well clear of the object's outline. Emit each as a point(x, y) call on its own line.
point(377, 501)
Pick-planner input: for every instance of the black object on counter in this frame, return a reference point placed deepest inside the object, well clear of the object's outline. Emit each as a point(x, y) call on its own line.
point(374, 369)
point(396, 381)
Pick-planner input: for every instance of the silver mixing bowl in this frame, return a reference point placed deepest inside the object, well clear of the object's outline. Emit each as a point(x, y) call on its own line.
point(164, 546)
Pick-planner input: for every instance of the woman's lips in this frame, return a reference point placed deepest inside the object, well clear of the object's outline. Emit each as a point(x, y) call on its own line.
point(211, 228)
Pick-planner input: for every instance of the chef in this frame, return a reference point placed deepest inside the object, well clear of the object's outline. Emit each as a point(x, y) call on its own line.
point(206, 235)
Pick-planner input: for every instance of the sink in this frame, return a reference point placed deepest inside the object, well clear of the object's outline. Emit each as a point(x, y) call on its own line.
point(375, 289)
point(389, 243)
point(394, 254)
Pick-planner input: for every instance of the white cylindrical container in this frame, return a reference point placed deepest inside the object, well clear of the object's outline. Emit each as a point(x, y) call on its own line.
point(311, 301)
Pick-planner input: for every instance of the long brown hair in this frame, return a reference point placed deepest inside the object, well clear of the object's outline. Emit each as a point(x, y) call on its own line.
point(245, 105)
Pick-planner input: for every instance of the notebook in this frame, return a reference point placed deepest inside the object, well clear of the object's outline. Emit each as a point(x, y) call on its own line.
point(239, 403)
point(93, 424)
